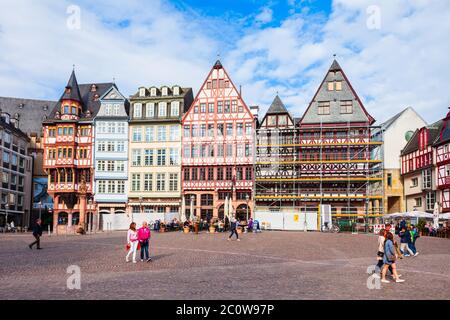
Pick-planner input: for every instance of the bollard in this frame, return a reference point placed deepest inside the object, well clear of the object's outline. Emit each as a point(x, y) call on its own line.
point(48, 227)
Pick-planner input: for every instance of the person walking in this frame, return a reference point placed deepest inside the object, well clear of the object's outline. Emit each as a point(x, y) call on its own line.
point(132, 242)
point(380, 253)
point(233, 229)
point(405, 238)
point(414, 232)
point(37, 234)
point(389, 259)
point(144, 240)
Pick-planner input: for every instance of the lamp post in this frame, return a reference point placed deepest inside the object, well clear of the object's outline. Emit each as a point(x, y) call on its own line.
point(192, 207)
point(141, 208)
point(247, 198)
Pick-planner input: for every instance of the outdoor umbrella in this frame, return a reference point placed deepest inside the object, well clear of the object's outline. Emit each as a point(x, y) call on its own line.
point(418, 214)
point(225, 208)
point(445, 216)
point(392, 215)
point(436, 216)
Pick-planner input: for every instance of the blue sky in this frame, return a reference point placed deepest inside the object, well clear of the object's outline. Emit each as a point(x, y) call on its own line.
point(390, 50)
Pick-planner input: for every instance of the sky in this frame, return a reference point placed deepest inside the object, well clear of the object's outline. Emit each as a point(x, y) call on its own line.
point(395, 53)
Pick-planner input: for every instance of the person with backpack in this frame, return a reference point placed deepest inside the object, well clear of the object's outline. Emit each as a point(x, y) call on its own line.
point(144, 239)
point(389, 259)
point(405, 238)
point(233, 229)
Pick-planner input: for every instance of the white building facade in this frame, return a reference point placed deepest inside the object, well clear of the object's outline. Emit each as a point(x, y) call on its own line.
point(111, 155)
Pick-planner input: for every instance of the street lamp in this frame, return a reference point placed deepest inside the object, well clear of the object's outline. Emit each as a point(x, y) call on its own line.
point(247, 198)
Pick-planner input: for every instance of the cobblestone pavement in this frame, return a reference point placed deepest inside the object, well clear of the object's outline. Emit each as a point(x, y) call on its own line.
point(270, 265)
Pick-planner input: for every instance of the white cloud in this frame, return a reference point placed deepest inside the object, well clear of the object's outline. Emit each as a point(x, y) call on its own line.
point(265, 16)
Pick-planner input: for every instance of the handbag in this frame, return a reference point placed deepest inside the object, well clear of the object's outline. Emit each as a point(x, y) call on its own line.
point(139, 246)
point(127, 247)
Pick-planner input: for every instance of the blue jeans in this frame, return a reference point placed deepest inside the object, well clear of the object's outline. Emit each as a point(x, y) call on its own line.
point(144, 249)
point(412, 246)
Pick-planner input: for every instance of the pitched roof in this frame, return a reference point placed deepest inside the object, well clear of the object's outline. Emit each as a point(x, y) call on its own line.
point(433, 136)
point(277, 106)
point(72, 91)
point(89, 99)
point(444, 134)
point(385, 125)
point(360, 114)
point(31, 112)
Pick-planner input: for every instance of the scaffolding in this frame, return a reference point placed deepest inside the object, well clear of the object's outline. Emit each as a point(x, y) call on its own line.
point(302, 167)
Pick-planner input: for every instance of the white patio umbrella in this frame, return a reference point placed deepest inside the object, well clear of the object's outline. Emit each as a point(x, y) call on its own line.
point(444, 216)
point(191, 216)
point(225, 208)
point(392, 215)
point(418, 214)
point(436, 216)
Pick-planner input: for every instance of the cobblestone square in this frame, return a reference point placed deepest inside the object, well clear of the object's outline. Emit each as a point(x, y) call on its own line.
point(270, 265)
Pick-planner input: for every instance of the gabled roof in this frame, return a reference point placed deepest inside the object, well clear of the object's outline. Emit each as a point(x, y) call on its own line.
point(72, 91)
point(433, 135)
point(444, 134)
point(360, 114)
point(277, 106)
point(31, 112)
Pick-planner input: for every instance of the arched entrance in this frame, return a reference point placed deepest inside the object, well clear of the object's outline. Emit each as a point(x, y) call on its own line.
point(241, 212)
point(75, 218)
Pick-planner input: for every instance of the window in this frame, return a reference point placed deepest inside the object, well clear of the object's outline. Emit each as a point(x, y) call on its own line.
point(229, 150)
point(347, 107)
point(203, 130)
point(202, 107)
point(220, 131)
point(414, 182)
point(220, 150)
point(210, 130)
point(142, 92)
point(227, 108)
point(148, 157)
point(174, 157)
point(239, 150)
point(426, 179)
point(162, 133)
point(164, 91)
point(187, 152)
point(338, 85)
point(195, 109)
point(211, 107)
point(187, 131)
point(229, 129)
point(389, 179)
point(194, 131)
point(153, 92)
point(248, 150)
point(229, 174)
point(173, 182)
point(111, 187)
point(121, 187)
point(208, 85)
point(120, 146)
point(176, 91)
point(137, 134)
point(174, 133)
point(234, 106)
point(248, 174)
point(248, 129)
point(120, 166)
point(417, 202)
point(6, 157)
point(330, 86)
point(102, 186)
point(207, 200)
point(137, 113)
point(101, 165)
point(430, 199)
point(161, 182)
point(136, 157)
point(149, 134)
point(324, 107)
point(175, 109)
point(5, 177)
point(162, 109)
point(220, 173)
point(150, 110)
point(272, 120)
point(239, 129)
point(161, 157)
point(148, 182)
point(219, 106)
point(135, 182)
point(239, 173)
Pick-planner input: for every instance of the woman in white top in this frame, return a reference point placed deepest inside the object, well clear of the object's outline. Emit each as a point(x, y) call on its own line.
point(132, 241)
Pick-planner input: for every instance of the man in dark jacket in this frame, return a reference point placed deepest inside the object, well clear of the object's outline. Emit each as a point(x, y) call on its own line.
point(37, 233)
point(405, 239)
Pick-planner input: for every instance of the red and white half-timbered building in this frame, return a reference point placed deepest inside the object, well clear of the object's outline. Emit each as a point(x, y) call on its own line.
point(218, 156)
point(68, 156)
point(442, 147)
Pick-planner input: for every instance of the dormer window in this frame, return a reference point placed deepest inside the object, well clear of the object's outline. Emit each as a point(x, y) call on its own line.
point(74, 110)
point(165, 91)
point(45, 108)
point(142, 92)
point(21, 106)
point(66, 109)
point(68, 90)
point(93, 88)
point(153, 92)
point(176, 91)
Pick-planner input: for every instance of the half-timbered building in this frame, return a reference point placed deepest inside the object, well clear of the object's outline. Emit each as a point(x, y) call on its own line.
point(442, 161)
point(218, 138)
point(68, 156)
